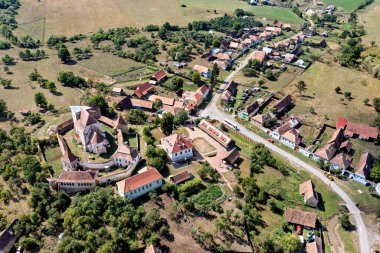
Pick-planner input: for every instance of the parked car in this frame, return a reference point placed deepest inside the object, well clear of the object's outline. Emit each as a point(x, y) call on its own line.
point(270, 140)
point(299, 230)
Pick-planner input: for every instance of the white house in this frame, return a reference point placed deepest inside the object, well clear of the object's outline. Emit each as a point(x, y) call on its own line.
point(125, 155)
point(88, 131)
point(140, 184)
point(178, 147)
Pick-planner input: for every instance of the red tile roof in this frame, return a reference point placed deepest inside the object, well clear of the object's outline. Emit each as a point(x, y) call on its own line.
point(141, 103)
point(341, 123)
point(299, 217)
point(363, 131)
point(327, 152)
point(164, 100)
point(77, 176)
point(139, 180)
point(364, 165)
point(342, 160)
point(143, 89)
point(215, 133)
point(159, 75)
point(181, 177)
point(285, 102)
point(260, 56)
point(176, 143)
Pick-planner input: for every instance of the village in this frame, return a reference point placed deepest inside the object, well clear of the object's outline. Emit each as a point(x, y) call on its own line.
point(157, 143)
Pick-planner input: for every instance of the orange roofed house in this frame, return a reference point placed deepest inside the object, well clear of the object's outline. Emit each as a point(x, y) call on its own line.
point(140, 184)
point(192, 100)
point(202, 70)
point(178, 147)
point(362, 131)
point(310, 196)
point(143, 89)
point(302, 218)
point(158, 77)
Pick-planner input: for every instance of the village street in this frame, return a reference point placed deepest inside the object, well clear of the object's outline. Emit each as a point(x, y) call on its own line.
point(213, 112)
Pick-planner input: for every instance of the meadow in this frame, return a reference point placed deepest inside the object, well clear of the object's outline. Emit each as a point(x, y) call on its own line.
point(321, 81)
point(369, 18)
point(344, 5)
point(41, 19)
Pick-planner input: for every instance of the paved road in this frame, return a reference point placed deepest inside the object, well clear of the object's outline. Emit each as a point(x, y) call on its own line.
point(213, 112)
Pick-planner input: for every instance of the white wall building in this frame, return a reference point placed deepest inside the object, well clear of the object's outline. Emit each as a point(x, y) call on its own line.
point(178, 147)
point(140, 184)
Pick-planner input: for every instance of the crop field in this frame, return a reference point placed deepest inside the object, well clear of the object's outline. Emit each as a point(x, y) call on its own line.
point(369, 18)
point(321, 95)
point(344, 5)
point(89, 15)
point(44, 18)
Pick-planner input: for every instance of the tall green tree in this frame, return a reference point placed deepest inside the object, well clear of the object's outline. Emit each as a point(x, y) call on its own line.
point(40, 100)
point(167, 123)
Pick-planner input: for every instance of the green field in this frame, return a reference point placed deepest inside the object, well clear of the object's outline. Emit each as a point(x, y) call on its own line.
point(207, 196)
point(344, 5)
point(369, 18)
point(281, 14)
point(321, 95)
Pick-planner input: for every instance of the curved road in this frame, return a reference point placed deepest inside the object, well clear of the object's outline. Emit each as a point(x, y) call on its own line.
point(213, 112)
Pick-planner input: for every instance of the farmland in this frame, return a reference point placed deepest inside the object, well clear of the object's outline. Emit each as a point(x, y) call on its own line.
point(344, 5)
point(46, 17)
point(369, 19)
point(321, 95)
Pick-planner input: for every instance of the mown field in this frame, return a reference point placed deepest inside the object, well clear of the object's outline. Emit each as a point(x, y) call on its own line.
point(344, 5)
point(44, 18)
point(369, 18)
point(321, 81)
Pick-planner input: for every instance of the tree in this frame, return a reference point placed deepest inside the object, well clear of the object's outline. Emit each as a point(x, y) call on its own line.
point(181, 117)
point(214, 75)
point(34, 75)
point(344, 221)
point(373, 43)
point(157, 104)
point(376, 71)
point(291, 242)
point(64, 54)
point(376, 104)
point(196, 77)
point(7, 60)
point(301, 86)
point(136, 117)
point(269, 74)
point(3, 108)
point(366, 101)
point(40, 100)
point(167, 122)
point(375, 173)
point(100, 101)
point(347, 95)
point(6, 83)
point(174, 84)
point(51, 86)
point(70, 80)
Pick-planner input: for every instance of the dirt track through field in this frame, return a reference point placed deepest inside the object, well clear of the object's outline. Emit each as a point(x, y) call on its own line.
point(335, 241)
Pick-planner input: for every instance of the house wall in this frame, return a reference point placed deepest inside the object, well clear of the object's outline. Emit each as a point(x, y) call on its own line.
point(98, 148)
point(98, 166)
point(275, 135)
point(72, 187)
point(243, 115)
point(142, 190)
point(115, 176)
point(175, 157)
point(288, 143)
point(124, 163)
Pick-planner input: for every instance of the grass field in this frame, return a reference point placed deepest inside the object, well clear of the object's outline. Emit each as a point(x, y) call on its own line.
point(44, 18)
point(207, 196)
point(89, 15)
point(281, 14)
point(108, 64)
point(369, 18)
point(321, 95)
point(344, 5)
point(53, 158)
